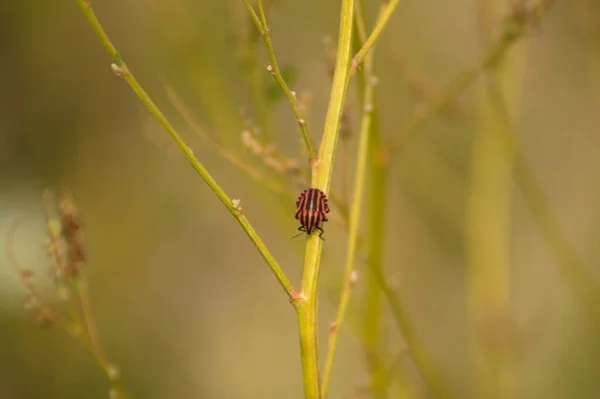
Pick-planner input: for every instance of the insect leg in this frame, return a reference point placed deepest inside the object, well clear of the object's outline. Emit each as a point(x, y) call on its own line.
point(322, 232)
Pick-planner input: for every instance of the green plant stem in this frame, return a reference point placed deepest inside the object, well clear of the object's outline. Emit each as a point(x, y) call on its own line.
point(76, 333)
point(583, 284)
point(355, 211)
point(509, 37)
point(82, 289)
point(73, 325)
point(263, 28)
point(376, 211)
point(580, 280)
point(382, 21)
point(488, 222)
point(92, 342)
point(120, 68)
point(341, 214)
point(307, 307)
point(371, 326)
point(416, 348)
point(229, 155)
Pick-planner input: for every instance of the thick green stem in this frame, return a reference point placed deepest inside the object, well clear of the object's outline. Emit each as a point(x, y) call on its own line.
point(488, 218)
point(375, 223)
point(306, 305)
point(375, 244)
point(357, 195)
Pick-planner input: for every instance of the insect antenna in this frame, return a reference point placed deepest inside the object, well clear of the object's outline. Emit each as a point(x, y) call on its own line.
point(299, 234)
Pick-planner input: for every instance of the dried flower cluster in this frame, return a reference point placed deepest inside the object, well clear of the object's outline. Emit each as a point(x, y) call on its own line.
point(71, 309)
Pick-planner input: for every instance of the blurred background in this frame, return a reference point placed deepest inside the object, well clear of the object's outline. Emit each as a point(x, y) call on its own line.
point(184, 304)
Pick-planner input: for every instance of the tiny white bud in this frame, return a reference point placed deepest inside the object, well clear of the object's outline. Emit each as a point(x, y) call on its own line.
point(269, 69)
point(117, 70)
point(353, 277)
point(113, 372)
point(374, 80)
point(237, 204)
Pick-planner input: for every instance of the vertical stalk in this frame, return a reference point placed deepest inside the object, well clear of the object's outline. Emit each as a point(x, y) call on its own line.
point(375, 224)
point(355, 213)
point(488, 230)
point(306, 300)
point(375, 244)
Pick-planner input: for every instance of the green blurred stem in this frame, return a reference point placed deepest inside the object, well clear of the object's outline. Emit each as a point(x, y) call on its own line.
point(276, 186)
point(375, 243)
point(307, 306)
point(74, 329)
point(583, 284)
point(416, 348)
point(580, 280)
point(354, 222)
point(488, 221)
point(120, 68)
point(263, 28)
point(372, 339)
point(82, 289)
point(382, 21)
point(512, 33)
point(92, 342)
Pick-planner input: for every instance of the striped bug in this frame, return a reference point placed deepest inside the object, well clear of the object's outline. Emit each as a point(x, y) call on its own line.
point(311, 211)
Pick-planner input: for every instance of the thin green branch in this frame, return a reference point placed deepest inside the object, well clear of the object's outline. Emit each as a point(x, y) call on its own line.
point(376, 280)
point(583, 284)
point(82, 289)
point(488, 210)
point(92, 341)
point(306, 306)
point(514, 31)
point(340, 217)
point(581, 281)
point(46, 313)
point(355, 212)
point(229, 155)
point(415, 346)
point(120, 68)
point(419, 84)
point(382, 21)
point(456, 87)
point(273, 69)
point(372, 307)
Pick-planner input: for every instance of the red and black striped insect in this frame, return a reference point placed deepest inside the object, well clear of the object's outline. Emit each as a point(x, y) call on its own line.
point(311, 211)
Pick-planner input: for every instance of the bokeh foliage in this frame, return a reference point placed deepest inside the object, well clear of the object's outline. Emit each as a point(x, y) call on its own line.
point(183, 302)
